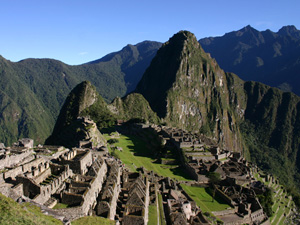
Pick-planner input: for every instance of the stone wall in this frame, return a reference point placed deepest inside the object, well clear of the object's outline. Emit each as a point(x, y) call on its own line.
point(225, 212)
point(30, 188)
point(13, 173)
point(2, 178)
point(28, 166)
point(224, 197)
point(85, 162)
point(14, 159)
point(48, 189)
point(258, 216)
point(25, 168)
point(89, 197)
point(34, 188)
point(79, 160)
point(42, 176)
point(71, 199)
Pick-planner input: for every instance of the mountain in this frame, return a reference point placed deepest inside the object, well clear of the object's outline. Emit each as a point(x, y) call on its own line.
point(268, 57)
point(33, 90)
point(84, 111)
point(133, 107)
point(132, 61)
point(188, 90)
point(83, 101)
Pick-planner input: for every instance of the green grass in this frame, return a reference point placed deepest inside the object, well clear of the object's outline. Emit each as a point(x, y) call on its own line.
point(60, 206)
point(152, 215)
point(136, 154)
point(91, 220)
point(162, 220)
point(278, 215)
point(204, 200)
point(14, 213)
point(279, 202)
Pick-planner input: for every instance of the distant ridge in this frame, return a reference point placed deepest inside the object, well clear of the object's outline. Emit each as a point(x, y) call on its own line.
point(272, 58)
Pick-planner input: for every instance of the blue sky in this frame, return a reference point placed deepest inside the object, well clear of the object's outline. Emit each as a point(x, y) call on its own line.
point(77, 31)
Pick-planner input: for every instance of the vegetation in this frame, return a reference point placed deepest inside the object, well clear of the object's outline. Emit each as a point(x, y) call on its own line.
point(205, 200)
point(135, 154)
point(266, 201)
point(152, 215)
point(162, 219)
point(14, 213)
point(134, 108)
point(33, 90)
point(91, 220)
point(60, 206)
point(266, 56)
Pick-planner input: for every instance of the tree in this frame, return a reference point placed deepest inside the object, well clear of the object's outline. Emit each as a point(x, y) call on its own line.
point(214, 179)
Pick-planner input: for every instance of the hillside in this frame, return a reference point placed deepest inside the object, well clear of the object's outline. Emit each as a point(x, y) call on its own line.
point(188, 90)
point(13, 213)
point(133, 107)
point(268, 57)
point(33, 90)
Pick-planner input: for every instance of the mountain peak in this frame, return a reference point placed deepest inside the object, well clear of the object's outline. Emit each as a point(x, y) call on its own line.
point(182, 36)
point(290, 30)
point(163, 70)
point(244, 30)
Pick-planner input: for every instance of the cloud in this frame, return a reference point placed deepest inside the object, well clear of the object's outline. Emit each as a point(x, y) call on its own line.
point(83, 53)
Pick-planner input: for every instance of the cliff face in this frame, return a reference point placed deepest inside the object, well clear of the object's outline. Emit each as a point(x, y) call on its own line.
point(188, 90)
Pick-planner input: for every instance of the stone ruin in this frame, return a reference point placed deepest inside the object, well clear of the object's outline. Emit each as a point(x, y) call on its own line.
point(88, 182)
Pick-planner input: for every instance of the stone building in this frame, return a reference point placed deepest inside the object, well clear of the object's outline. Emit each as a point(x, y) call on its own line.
point(83, 190)
point(43, 181)
point(134, 199)
point(79, 160)
point(107, 202)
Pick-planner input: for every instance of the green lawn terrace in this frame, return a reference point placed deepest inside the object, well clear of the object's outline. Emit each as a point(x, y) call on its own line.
point(283, 206)
point(202, 196)
point(91, 220)
point(136, 153)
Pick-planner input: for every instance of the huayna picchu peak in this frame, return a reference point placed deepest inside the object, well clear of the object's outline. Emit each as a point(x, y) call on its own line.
point(188, 90)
